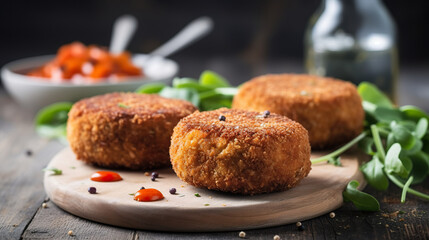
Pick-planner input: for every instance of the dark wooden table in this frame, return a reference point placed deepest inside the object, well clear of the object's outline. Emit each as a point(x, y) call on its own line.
point(23, 155)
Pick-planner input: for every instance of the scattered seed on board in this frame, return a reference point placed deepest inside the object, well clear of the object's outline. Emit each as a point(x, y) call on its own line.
point(70, 233)
point(242, 234)
point(44, 205)
point(300, 226)
point(332, 215)
point(29, 152)
point(276, 237)
point(266, 114)
point(147, 174)
point(92, 190)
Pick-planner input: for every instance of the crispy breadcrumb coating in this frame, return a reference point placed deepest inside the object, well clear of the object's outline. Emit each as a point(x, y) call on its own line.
point(247, 153)
point(125, 130)
point(330, 109)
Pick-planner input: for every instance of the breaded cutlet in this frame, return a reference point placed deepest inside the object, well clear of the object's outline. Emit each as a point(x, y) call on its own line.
point(330, 109)
point(125, 130)
point(247, 153)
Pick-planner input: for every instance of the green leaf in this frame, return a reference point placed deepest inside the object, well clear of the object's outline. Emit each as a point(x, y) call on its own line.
point(219, 93)
point(212, 104)
point(212, 79)
point(413, 113)
point(420, 167)
point(336, 161)
point(393, 164)
point(55, 171)
point(367, 145)
point(384, 114)
point(51, 121)
point(374, 174)
point(150, 88)
point(370, 93)
point(390, 140)
point(190, 83)
point(53, 114)
point(361, 200)
point(403, 136)
point(123, 105)
point(53, 131)
point(421, 128)
point(410, 125)
point(406, 161)
point(418, 145)
point(187, 94)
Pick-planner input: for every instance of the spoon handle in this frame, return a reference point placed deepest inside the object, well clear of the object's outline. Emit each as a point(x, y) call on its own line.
point(192, 32)
point(123, 29)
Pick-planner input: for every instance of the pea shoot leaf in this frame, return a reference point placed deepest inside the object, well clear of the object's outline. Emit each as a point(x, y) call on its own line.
point(403, 136)
point(367, 145)
point(54, 114)
point(190, 83)
point(374, 174)
point(212, 79)
point(421, 128)
point(361, 200)
point(393, 164)
point(150, 88)
point(420, 167)
point(187, 94)
point(413, 113)
point(51, 121)
point(384, 114)
point(370, 93)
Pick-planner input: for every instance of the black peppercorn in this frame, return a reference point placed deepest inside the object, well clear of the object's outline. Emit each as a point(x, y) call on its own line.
point(92, 190)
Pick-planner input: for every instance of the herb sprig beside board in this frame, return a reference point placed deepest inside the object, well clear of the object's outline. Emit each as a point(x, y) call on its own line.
point(397, 139)
point(51, 121)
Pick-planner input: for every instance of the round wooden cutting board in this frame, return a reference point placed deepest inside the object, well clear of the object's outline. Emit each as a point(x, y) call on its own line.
point(319, 193)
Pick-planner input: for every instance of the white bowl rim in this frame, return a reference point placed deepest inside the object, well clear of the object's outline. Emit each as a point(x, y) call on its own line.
point(12, 67)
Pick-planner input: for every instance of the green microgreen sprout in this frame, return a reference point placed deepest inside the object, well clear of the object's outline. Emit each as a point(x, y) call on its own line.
point(55, 171)
point(123, 105)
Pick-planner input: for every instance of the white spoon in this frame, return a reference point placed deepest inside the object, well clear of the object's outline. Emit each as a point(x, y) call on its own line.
point(123, 30)
point(194, 31)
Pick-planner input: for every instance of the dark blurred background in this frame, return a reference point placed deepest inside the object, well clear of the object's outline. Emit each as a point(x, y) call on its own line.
point(255, 36)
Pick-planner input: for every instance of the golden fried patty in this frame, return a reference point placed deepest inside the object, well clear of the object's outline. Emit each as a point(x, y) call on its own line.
point(330, 109)
point(125, 130)
point(247, 153)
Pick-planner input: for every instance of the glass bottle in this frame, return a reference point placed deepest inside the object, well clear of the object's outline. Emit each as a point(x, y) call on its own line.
point(353, 40)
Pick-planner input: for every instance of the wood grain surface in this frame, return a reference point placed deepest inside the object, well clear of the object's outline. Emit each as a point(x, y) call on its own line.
point(317, 194)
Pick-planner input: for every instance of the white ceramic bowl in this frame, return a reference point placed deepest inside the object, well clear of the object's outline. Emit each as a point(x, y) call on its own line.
point(35, 93)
